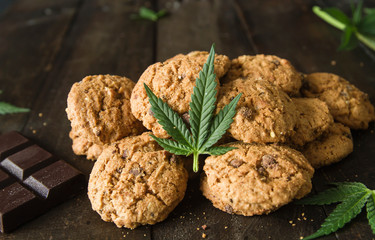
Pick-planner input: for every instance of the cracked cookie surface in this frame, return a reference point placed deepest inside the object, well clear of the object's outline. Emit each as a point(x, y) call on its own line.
point(99, 107)
point(314, 118)
point(278, 71)
point(264, 112)
point(334, 145)
point(135, 183)
point(256, 179)
point(172, 81)
point(82, 146)
point(347, 104)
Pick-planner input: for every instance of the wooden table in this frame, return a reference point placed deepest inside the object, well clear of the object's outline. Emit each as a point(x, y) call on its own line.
point(46, 46)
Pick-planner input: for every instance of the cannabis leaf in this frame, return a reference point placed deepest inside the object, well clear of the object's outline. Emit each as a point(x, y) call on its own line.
point(353, 197)
point(149, 14)
point(357, 28)
point(205, 129)
point(6, 108)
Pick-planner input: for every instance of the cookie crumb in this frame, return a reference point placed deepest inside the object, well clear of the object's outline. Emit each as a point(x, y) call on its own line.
point(40, 115)
point(304, 218)
point(34, 131)
point(198, 229)
point(204, 235)
point(293, 225)
point(291, 222)
point(204, 213)
point(301, 237)
point(204, 227)
point(144, 235)
point(226, 227)
point(333, 63)
point(44, 124)
point(303, 214)
point(299, 219)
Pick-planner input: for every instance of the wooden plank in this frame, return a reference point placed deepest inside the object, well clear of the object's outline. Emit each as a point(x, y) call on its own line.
point(31, 36)
point(102, 40)
point(313, 45)
point(195, 25)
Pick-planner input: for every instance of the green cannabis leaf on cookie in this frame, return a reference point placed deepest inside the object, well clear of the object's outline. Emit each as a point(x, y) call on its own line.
point(149, 14)
point(353, 196)
point(206, 129)
point(6, 108)
point(357, 28)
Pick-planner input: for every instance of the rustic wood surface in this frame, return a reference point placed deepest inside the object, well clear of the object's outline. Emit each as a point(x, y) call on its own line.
point(46, 46)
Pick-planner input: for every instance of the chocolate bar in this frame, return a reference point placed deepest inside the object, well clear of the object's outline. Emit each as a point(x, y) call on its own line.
point(32, 181)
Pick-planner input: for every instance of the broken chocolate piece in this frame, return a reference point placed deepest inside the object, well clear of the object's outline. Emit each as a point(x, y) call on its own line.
point(31, 181)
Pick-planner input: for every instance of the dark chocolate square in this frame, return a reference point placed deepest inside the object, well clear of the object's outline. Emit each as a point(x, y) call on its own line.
point(17, 206)
point(5, 179)
point(56, 181)
point(22, 164)
point(12, 142)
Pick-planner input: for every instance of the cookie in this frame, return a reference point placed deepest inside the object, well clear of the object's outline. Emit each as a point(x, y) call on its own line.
point(256, 179)
point(333, 146)
point(173, 81)
point(136, 185)
point(347, 104)
point(265, 114)
point(313, 119)
point(99, 107)
point(81, 146)
point(278, 71)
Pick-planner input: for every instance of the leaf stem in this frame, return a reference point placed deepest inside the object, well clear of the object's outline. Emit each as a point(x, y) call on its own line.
point(328, 18)
point(196, 162)
point(366, 40)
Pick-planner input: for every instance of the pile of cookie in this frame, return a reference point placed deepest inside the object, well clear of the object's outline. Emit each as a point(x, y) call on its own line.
point(286, 124)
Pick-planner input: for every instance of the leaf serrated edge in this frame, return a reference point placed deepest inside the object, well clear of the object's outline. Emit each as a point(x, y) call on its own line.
point(222, 122)
point(172, 146)
point(347, 213)
point(169, 119)
point(370, 208)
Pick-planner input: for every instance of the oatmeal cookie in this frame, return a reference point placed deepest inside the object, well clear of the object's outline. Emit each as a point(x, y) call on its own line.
point(276, 70)
point(347, 104)
point(99, 106)
point(81, 146)
point(313, 119)
point(136, 185)
point(264, 113)
point(173, 81)
point(256, 179)
point(333, 146)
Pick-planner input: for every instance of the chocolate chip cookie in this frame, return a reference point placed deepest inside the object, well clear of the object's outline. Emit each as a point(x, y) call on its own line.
point(313, 119)
point(134, 183)
point(264, 114)
point(347, 104)
point(173, 81)
point(333, 146)
point(256, 179)
point(99, 108)
point(276, 70)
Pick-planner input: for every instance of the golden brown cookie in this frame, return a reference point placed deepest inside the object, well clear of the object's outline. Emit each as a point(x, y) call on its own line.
point(99, 107)
point(265, 113)
point(333, 146)
point(256, 179)
point(313, 119)
point(276, 70)
point(173, 81)
point(136, 185)
point(81, 146)
point(347, 104)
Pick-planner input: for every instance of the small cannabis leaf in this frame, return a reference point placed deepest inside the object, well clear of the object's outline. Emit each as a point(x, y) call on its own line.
point(352, 197)
point(149, 14)
point(206, 129)
point(354, 29)
point(6, 108)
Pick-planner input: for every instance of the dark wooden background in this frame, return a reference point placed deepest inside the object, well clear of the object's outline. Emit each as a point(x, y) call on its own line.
point(46, 46)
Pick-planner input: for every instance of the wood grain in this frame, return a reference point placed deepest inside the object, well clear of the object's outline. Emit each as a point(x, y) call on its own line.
point(46, 46)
